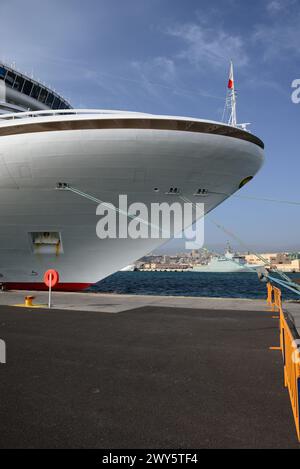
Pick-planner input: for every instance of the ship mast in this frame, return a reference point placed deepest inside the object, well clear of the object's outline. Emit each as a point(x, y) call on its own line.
point(231, 98)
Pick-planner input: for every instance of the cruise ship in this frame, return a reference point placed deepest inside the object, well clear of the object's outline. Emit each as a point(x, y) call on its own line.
point(46, 144)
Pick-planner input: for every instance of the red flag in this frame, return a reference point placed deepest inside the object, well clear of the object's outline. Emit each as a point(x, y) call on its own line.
point(230, 81)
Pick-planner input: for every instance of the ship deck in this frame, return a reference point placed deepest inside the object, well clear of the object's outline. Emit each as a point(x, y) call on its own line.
point(112, 371)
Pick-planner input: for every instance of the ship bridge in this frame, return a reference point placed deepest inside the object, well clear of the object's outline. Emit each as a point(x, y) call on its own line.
point(19, 92)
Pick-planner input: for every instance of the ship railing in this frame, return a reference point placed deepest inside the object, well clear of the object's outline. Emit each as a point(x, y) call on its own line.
point(64, 112)
point(289, 346)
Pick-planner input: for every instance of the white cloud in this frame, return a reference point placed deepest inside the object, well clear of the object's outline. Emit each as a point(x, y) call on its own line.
point(155, 74)
point(259, 82)
point(279, 40)
point(207, 46)
point(158, 68)
point(274, 6)
point(278, 6)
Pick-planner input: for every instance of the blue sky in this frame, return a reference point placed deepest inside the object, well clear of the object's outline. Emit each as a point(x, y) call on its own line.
point(171, 57)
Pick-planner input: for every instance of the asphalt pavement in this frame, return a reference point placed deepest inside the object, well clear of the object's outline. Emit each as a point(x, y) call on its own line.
point(149, 377)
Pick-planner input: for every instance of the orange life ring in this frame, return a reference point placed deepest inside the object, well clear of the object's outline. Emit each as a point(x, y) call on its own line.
point(54, 277)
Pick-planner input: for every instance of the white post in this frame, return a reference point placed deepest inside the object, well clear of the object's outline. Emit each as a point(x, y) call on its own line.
point(50, 284)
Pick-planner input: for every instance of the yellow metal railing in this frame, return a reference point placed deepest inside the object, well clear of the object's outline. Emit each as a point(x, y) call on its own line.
point(290, 353)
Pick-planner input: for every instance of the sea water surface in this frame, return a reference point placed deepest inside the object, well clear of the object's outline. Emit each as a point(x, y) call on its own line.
point(231, 285)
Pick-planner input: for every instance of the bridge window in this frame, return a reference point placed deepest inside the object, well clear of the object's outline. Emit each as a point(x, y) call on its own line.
point(49, 99)
point(56, 103)
point(10, 78)
point(27, 87)
point(35, 91)
point(2, 72)
point(19, 82)
point(43, 95)
point(62, 105)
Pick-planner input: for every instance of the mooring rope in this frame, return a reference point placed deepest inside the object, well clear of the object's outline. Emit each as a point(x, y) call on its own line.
point(286, 282)
point(258, 198)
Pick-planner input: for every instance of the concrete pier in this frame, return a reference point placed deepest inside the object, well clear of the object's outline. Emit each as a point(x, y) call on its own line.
point(160, 372)
point(114, 303)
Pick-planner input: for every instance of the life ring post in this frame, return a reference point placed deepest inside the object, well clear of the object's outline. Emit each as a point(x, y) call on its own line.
point(50, 283)
point(51, 278)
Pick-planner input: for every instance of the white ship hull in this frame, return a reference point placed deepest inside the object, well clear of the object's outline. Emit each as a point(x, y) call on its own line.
point(105, 161)
point(227, 267)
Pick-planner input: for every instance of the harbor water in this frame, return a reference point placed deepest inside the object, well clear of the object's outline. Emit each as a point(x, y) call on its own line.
point(229, 285)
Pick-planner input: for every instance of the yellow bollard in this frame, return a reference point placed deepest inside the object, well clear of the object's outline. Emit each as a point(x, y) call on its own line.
point(28, 303)
point(28, 300)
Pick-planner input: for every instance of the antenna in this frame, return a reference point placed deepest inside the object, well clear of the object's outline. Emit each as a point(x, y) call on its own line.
point(231, 97)
point(229, 113)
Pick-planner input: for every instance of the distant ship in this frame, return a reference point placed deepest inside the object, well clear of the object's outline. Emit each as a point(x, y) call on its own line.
point(230, 262)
